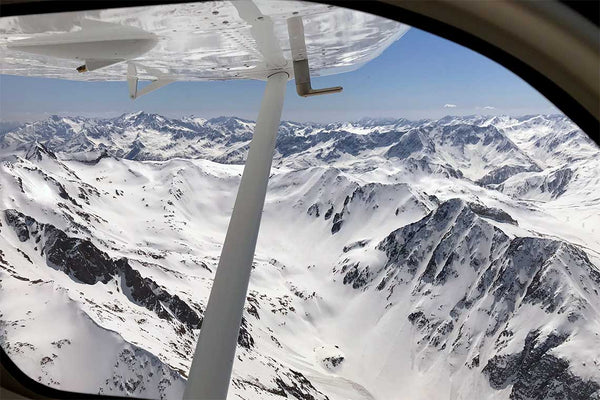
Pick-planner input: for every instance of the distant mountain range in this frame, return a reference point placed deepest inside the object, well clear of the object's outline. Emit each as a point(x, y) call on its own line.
point(454, 258)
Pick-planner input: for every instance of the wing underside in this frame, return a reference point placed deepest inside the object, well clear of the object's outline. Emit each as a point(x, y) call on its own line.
point(190, 42)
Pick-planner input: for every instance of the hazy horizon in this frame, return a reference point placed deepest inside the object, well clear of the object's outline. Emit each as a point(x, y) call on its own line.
point(193, 115)
point(421, 76)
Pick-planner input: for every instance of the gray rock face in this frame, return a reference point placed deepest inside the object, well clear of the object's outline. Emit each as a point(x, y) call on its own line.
point(408, 247)
point(411, 143)
point(554, 183)
point(37, 151)
point(21, 224)
point(132, 360)
point(501, 174)
point(287, 384)
point(492, 213)
point(356, 245)
point(536, 374)
point(296, 384)
point(313, 211)
point(460, 268)
point(83, 262)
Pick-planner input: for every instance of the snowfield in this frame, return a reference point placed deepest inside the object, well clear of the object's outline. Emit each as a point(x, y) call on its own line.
point(449, 259)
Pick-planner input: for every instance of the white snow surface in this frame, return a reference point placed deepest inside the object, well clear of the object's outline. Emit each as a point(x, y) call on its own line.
point(316, 330)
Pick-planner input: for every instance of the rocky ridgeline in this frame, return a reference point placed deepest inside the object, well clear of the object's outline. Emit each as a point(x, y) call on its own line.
point(443, 147)
point(130, 375)
point(83, 262)
point(534, 373)
point(492, 275)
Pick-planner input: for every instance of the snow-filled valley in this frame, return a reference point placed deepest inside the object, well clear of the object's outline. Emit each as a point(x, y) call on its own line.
point(438, 259)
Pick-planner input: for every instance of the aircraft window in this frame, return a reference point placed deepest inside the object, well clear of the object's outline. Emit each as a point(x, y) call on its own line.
point(433, 229)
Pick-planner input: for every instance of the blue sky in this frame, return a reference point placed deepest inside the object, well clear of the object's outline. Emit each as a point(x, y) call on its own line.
point(419, 76)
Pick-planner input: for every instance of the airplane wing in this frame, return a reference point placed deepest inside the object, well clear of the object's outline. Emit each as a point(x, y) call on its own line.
point(190, 42)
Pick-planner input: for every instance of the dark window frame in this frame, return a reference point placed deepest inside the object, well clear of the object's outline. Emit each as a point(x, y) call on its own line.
point(561, 99)
point(12, 377)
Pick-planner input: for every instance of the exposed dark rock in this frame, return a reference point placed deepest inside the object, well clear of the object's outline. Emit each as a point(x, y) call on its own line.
point(328, 213)
point(474, 362)
point(337, 223)
point(433, 198)
point(501, 174)
point(37, 151)
point(245, 340)
point(81, 260)
point(78, 258)
point(313, 211)
point(258, 386)
point(417, 318)
point(556, 184)
point(545, 286)
point(133, 381)
point(535, 374)
point(509, 274)
point(523, 258)
point(252, 306)
point(408, 246)
point(20, 223)
point(136, 151)
point(298, 386)
point(357, 277)
point(356, 245)
point(25, 256)
point(351, 275)
point(333, 361)
point(146, 292)
point(495, 214)
point(411, 143)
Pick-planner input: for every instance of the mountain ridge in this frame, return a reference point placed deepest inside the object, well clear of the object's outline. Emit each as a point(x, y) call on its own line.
point(429, 257)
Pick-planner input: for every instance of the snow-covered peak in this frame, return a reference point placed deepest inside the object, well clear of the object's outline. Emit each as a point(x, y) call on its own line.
point(452, 251)
point(37, 151)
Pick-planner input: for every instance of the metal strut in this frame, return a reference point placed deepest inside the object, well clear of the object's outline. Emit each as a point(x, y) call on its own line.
point(213, 360)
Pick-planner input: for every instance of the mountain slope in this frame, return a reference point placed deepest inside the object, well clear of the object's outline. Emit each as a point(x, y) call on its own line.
point(428, 259)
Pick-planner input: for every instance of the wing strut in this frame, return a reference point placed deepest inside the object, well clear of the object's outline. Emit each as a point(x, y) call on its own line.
point(213, 359)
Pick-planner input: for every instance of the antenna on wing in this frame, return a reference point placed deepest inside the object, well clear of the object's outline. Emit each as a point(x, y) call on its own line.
point(300, 58)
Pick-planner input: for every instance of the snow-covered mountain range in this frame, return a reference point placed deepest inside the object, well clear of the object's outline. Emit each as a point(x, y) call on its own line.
point(436, 259)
